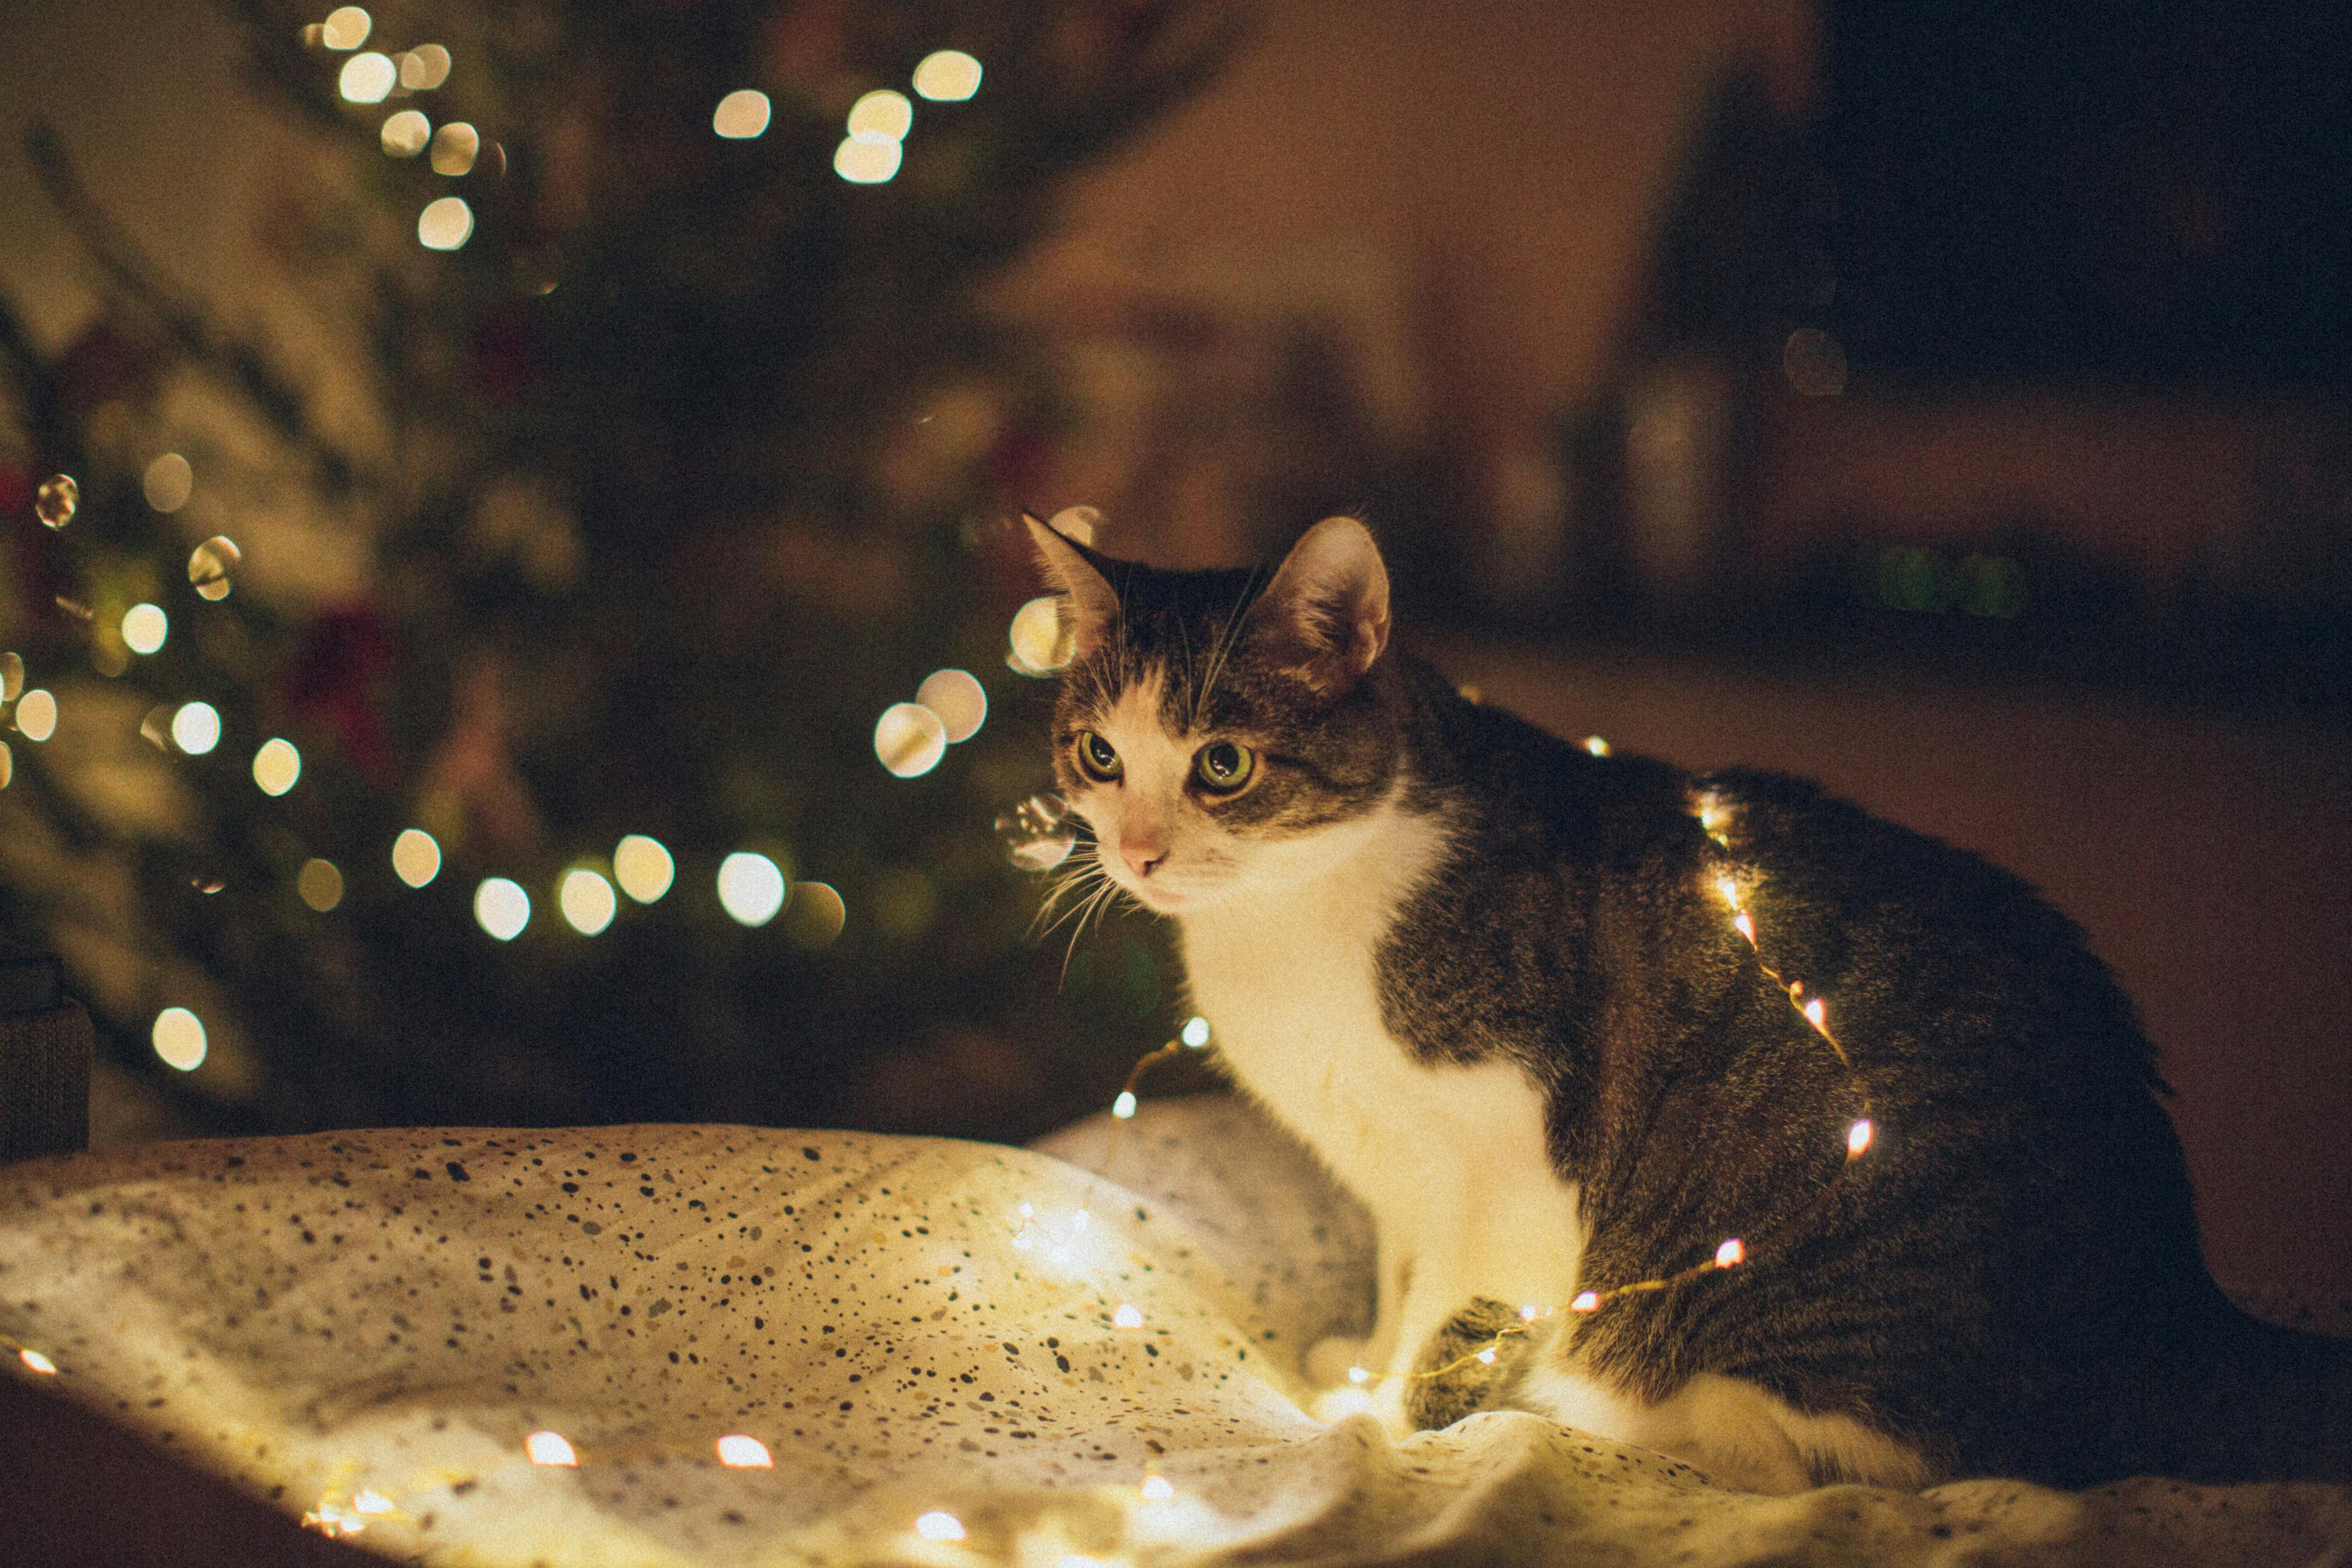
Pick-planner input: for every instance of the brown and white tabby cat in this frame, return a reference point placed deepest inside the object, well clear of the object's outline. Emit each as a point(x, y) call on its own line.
point(1489, 979)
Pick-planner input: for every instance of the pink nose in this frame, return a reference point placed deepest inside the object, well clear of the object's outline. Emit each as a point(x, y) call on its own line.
point(1141, 858)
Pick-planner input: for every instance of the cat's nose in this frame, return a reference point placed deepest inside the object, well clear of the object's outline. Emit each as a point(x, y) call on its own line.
point(1142, 857)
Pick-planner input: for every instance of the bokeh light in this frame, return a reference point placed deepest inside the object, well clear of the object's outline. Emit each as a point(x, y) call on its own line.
point(882, 113)
point(425, 67)
point(347, 27)
point(642, 868)
point(144, 627)
point(179, 1036)
point(958, 698)
point(446, 224)
point(55, 502)
point(12, 677)
point(586, 901)
point(37, 715)
point(939, 1525)
point(321, 883)
point(817, 914)
point(1814, 363)
point(454, 147)
point(210, 564)
point(405, 133)
point(501, 908)
point(738, 1452)
point(155, 727)
point(1041, 639)
point(196, 728)
point(416, 857)
point(948, 76)
point(1195, 1033)
point(741, 114)
point(909, 738)
point(276, 766)
point(867, 162)
point(750, 888)
point(7, 764)
point(1038, 833)
point(168, 482)
point(368, 78)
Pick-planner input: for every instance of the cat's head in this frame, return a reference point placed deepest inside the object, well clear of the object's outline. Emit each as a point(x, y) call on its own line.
point(1218, 728)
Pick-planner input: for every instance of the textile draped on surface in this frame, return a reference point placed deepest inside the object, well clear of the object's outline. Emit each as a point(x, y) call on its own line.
point(377, 1321)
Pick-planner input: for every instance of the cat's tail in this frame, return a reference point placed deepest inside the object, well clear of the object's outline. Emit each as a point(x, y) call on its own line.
point(2258, 1402)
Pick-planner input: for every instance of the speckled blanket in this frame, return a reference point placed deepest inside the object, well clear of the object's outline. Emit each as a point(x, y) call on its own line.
point(921, 1350)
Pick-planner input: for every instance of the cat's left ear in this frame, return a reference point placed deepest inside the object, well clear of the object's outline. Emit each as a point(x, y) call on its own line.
point(1330, 600)
point(1088, 600)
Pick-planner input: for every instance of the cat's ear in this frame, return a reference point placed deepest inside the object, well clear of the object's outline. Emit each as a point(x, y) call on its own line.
point(1329, 603)
point(1088, 599)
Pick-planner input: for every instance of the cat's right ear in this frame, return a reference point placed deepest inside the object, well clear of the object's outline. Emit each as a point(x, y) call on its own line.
point(1327, 610)
point(1088, 598)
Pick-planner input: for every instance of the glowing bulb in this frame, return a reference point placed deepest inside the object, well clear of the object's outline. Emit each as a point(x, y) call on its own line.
point(939, 1526)
point(750, 888)
point(1814, 1015)
point(949, 76)
point(1745, 927)
point(586, 901)
point(741, 114)
point(642, 868)
point(276, 766)
point(446, 224)
point(1857, 1138)
point(1586, 1302)
point(1487, 1355)
point(347, 27)
point(416, 857)
point(38, 1362)
point(370, 1500)
point(368, 78)
point(1596, 745)
point(1529, 1314)
point(405, 133)
point(549, 1448)
point(1124, 1105)
point(1732, 1252)
point(1729, 890)
point(1195, 1033)
point(1127, 1316)
point(1156, 1488)
point(909, 738)
point(882, 113)
point(738, 1452)
point(501, 908)
point(144, 627)
point(168, 482)
point(179, 1038)
point(867, 162)
point(321, 883)
point(1359, 1375)
point(196, 728)
point(958, 698)
point(37, 715)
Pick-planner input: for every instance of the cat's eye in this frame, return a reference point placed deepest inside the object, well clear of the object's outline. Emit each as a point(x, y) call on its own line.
point(1224, 767)
point(1098, 758)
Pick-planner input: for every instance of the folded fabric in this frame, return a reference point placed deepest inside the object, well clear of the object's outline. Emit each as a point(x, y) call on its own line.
point(722, 1345)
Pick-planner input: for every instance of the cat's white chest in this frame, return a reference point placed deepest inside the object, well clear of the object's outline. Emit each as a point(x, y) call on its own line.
point(1450, 1160)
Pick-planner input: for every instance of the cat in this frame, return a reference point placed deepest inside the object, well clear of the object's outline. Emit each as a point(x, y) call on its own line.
point(1491, 981)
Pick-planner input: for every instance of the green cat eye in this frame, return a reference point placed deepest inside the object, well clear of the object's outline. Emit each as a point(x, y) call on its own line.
point(1224, 767)
point(1097, 759)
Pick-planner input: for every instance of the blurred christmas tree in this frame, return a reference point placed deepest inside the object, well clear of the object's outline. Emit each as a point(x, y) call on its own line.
point(689, 459)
